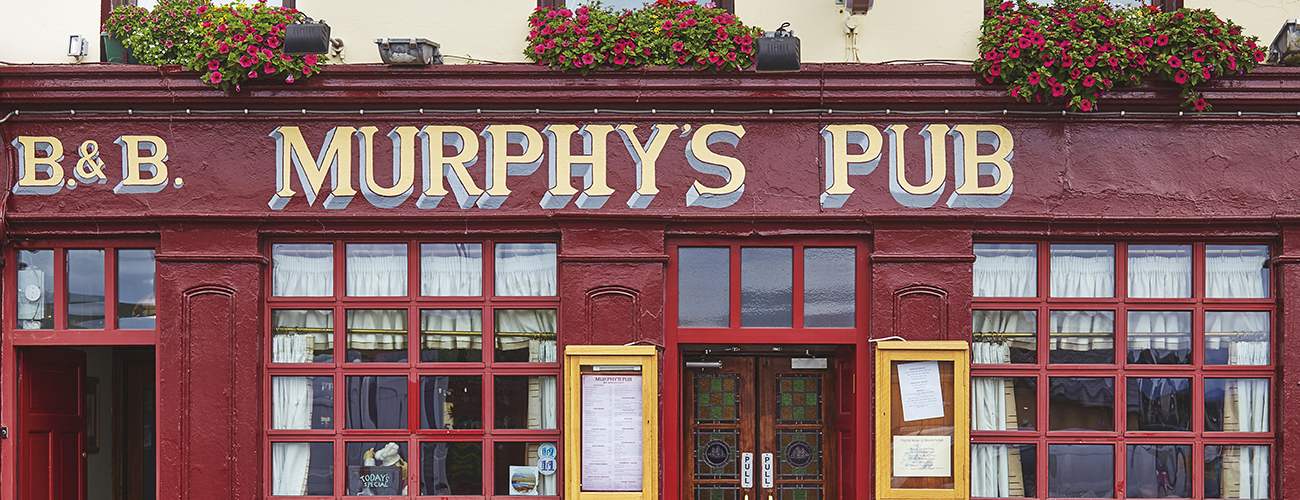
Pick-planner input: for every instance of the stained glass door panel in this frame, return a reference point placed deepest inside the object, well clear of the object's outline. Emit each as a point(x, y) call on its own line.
point(747, 409)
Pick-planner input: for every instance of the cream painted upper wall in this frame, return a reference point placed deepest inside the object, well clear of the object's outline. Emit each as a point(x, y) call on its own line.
point(891, 30)
point(491, 31)
point(495, 31)
point(37, 32)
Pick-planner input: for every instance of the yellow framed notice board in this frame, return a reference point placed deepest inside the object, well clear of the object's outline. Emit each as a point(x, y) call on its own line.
point(922, 420)
point(611, 422)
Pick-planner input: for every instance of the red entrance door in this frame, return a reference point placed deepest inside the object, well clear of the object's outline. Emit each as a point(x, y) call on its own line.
point(51, 425)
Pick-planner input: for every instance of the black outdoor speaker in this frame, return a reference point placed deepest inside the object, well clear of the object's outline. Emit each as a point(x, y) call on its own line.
point(310, 38)
point(778, 52)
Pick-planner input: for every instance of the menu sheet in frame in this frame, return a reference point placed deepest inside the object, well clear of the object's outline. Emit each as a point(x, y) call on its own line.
point(611, 432)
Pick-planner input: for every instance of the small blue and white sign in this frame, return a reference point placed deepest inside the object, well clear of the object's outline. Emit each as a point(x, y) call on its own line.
point(546, 464)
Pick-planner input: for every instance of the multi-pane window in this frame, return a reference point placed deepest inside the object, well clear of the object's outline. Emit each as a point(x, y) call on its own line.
point(411, 367)
point(766, 286)
point(1122, 370)
point(100, 288)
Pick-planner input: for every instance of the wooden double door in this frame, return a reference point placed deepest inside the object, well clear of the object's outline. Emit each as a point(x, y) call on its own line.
point(759, 428)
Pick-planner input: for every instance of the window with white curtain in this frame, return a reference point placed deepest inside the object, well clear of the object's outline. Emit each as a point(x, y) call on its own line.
point(443, 380)
point(1151, 361)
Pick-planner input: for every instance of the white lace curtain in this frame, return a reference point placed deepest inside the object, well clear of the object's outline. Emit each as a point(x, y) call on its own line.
point(1084, 272)
point(525, 270)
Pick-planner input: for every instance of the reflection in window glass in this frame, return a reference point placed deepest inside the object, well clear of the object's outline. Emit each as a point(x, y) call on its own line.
point(520, 455)
point(451, 270)
point(1159, 471)
point(703, 287)
point(376, 402)
point(451, 335)
point(829, 279)
point(1159, 271)
point(1082, 337)
point(1237, 338)
point(85, 289)
point(1081, 471)
point(451, 402)
point(524, 402)
point(35, 292)
point(1236, 272)
point(302, 402)
point(302, 270)
point(1004, 470)
point(1004, 403)
point(376, 468)
point(1006, 270)
point(451, 468)
point(1159, 404)
point(1083, 270)
point(377, 335)
point(1236, 404)
point(1081, 404)
point(303, 336)
point(1002, 337)
point(302, 468)
point(525, 270)
point(766, 287)
point(376, 270)
point(1160, 337)
point(1236, 471)
point(136, 306)
point(525, 336)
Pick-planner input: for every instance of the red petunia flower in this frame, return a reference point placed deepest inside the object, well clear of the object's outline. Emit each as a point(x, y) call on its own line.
point(1181, 77)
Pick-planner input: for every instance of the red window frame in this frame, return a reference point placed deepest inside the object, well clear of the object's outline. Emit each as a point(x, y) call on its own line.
point(1121, 371)
point(61, 334)
point(413, 369)
point(854, 413)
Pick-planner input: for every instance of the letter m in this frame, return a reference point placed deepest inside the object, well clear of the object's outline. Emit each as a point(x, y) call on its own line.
point(335, 160)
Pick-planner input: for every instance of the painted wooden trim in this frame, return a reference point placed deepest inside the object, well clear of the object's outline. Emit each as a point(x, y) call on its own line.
point(577, 356)
point(958, 353)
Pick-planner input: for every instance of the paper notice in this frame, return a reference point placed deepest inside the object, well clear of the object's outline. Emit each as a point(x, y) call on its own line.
point(611, 433)
point(921, 394)
point(922, 456)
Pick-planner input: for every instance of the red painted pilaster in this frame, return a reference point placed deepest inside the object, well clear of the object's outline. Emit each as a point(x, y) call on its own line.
point(209, 358)
point(1287, 456)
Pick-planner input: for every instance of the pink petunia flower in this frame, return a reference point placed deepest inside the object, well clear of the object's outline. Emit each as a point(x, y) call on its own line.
point(222, 48)
point(588, 58)
point(1085, 105)
point(678, 46)
point(289, 79)
point(1089, 80)
point(215, 77)
point(244, 61)
point(213, 65)
point(252, 74)
point(1181, 77)
point(1033, 78)
point(1175, 62)
point(311, 59)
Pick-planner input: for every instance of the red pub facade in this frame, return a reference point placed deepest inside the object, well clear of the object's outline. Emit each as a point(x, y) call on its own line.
point(186, 259)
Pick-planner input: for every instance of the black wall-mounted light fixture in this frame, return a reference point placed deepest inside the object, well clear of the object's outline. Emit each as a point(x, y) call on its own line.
point(1285, 49)
point(778, 52)
point(307, 38)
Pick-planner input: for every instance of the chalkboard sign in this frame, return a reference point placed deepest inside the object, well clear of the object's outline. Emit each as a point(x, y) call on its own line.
point(374, 480)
